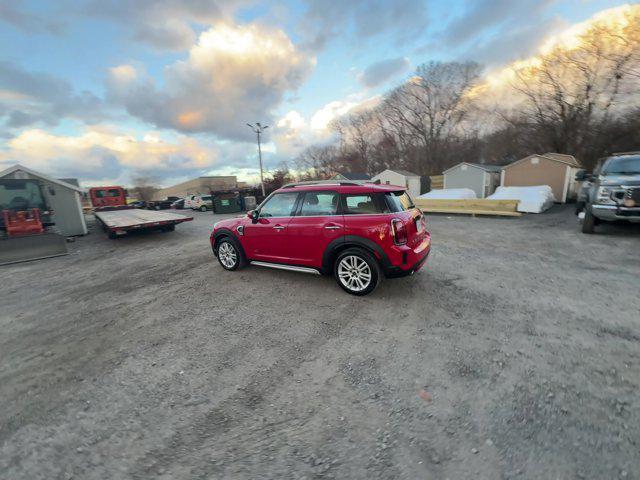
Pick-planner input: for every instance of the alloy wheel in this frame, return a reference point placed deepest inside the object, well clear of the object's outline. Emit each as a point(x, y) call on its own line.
point(227, 255)
point(354, 273)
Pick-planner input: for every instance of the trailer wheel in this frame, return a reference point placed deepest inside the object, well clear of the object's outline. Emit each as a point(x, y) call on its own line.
point(169, 228)
point(112, 235)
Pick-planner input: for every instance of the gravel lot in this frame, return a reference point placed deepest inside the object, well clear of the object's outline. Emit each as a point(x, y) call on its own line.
point(515, 353)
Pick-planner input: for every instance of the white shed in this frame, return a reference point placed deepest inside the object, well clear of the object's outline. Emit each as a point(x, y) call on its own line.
point(62, 197)
point(482, 179)
point(401, 178)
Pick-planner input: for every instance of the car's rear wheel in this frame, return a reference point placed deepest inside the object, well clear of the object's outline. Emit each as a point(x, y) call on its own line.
point(357, 271)
point(203, 208)
point(229, 254)
point(589, 221)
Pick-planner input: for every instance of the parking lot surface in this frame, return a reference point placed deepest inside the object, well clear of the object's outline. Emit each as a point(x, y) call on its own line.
point(515, 353)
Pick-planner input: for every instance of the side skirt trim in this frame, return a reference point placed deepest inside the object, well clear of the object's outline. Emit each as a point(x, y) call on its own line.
point(282, 266)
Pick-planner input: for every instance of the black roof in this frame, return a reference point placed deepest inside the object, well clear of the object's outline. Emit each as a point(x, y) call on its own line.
point(354, 176)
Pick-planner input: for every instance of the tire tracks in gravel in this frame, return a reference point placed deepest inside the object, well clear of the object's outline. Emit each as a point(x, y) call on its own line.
point(238, 407)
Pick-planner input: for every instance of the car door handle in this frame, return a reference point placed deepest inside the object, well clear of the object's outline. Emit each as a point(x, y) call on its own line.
point(332, 227)
point(278, 227)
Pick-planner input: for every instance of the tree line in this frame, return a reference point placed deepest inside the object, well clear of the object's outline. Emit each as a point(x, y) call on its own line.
point(579, 99)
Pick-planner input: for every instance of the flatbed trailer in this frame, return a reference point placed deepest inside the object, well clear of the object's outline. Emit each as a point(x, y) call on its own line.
point(119, 220)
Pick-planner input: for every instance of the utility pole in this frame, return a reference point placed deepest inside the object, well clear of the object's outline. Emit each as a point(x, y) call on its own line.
point(258, 129)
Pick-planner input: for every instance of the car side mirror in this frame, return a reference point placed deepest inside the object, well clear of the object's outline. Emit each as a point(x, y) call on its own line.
point(253, 215)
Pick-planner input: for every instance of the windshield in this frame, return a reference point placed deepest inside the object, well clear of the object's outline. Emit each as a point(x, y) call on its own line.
point(622, 165)
point(399, 201)
point(20, 195)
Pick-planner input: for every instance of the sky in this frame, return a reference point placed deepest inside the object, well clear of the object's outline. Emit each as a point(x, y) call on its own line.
point(113, 91)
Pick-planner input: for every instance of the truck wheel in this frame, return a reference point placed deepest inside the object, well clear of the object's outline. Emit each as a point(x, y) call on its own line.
point(357, 271)
point(169, 228)
point(589, 221)
point(203, 208)
point(230, 255)
point(112, 235)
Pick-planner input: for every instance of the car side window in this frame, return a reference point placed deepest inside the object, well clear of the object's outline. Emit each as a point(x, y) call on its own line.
point(319, 204)
point(360, 204)
point(280, 205)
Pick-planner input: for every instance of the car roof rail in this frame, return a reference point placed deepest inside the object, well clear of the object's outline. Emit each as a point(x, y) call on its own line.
point(323, 182)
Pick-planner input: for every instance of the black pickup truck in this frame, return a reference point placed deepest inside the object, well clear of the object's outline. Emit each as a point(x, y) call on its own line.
point(612, 192)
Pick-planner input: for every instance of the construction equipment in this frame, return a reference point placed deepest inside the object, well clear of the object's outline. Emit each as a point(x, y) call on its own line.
point(25, 223)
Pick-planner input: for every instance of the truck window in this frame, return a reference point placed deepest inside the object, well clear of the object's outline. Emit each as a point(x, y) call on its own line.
point(99, 193)
point(114, 192)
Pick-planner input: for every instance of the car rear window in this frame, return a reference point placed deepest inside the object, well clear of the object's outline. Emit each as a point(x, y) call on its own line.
point(362, 204)
point(319, 204)
point(399, 201)
point(206, 198)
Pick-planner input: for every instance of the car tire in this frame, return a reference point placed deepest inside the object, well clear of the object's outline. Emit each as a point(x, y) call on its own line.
point(203, 208)
point(589, 221)
point(579, 207)
point(230, 254)
point(357, 271)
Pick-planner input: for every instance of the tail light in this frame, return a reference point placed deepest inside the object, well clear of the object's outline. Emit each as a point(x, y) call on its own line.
point(399, 232)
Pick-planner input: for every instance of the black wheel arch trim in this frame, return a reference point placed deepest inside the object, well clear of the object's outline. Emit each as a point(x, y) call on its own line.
point(226, 232)
point(347, 241)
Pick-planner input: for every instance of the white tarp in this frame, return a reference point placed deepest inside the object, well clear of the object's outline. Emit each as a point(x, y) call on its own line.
point(531, 199)
point(450, 194)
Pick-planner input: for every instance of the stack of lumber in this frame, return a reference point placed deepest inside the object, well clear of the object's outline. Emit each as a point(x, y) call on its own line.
point(478, 206)
point(437, 182)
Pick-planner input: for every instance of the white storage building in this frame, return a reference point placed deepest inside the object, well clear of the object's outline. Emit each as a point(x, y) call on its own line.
point(62, 197)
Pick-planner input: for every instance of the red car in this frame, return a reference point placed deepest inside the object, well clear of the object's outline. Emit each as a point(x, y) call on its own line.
point(358, 232)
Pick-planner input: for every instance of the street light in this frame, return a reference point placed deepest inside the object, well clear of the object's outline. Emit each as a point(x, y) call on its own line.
point(258, 129)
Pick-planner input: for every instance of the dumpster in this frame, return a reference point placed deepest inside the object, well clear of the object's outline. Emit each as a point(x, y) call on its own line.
point(227, 202)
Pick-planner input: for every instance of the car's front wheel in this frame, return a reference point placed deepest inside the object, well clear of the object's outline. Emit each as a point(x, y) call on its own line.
point(229, 255)
point(357, 271)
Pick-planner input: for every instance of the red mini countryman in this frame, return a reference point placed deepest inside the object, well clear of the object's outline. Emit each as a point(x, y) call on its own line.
point(358, 232)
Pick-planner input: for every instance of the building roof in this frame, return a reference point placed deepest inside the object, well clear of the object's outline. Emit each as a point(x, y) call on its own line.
point(353, 175)
point(483, 166)
point(561, 157)
point(402, 172)
point(33, 173)
point(70, 181)
point(554, 157)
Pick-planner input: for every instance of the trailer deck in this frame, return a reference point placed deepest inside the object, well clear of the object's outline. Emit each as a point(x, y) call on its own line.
point(120, 220)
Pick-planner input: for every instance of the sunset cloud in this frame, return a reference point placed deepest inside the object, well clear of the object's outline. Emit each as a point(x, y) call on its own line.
point(234, 74)
point(103, 152)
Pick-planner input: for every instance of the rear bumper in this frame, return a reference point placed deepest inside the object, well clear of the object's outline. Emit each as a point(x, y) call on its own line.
point(612, 213)
point(407, 261)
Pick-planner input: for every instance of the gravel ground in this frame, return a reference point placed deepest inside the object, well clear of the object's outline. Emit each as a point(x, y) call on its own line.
point(515, 353)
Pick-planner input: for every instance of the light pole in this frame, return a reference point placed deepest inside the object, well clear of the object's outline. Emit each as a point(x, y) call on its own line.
point(258, 129)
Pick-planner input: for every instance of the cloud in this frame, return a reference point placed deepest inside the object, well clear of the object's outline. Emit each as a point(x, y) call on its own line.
point(106, 152)
point(233, 75)
point(397, 20)
point(29, 98)
point(12, 14)
point(485, 15)
point(164, 24)
point(379, 72)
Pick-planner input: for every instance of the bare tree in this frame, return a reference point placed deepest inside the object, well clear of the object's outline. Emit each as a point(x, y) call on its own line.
point(144, 187)
point(571, 94)
point(431, 106)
